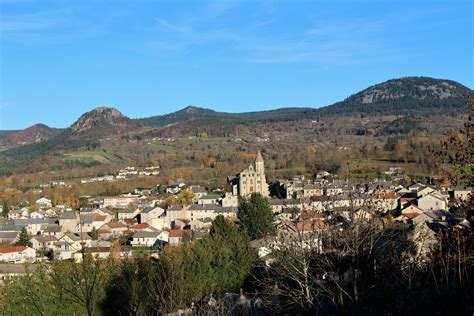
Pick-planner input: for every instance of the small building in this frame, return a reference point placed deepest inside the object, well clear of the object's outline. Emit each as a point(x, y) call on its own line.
point(127, 213)
point(149, 238)
point(43, 243)
point(179, 236)
point(43, 203)
point(433, 201)
point(17, 254)
point(69, 221)
point(121, 201)
point(150, 212)
point(8, 238)
point(230, 201)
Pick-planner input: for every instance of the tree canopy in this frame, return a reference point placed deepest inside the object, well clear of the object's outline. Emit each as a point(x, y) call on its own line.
point(256, 217)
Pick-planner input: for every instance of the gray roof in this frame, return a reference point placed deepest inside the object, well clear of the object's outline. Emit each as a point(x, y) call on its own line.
point(228, 209)
point(146, 234)
point(213, 207)
point(45, 238)
point(52, 228)
point(68, 215)
point(210, 197)
point(9, 228)
point(126, 210)
point(174, 208)
point(148, 209)
point(30, 221)
point(77, 237)
point(198, 189)
point(87, 219)
point(8, 235)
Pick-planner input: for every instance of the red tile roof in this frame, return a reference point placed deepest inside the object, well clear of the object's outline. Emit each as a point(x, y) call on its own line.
point(13, 249)
point(411, 215)
point(310, 226)
point(386, 195)
point(140, 226)
point(99, 218)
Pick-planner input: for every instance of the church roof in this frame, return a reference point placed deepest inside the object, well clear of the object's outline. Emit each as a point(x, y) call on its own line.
point(259, 157)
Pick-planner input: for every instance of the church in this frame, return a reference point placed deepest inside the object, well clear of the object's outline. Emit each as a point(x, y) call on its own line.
point(250, 180)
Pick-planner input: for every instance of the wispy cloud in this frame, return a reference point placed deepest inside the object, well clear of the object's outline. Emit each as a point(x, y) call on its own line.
point(255, 41)
point(36, 21)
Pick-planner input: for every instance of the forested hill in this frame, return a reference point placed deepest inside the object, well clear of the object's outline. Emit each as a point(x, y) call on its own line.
point(417, 96)
point(405, 96)
point(193, 113)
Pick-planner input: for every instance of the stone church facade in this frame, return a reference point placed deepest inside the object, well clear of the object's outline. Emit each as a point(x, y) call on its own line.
point(251, 180)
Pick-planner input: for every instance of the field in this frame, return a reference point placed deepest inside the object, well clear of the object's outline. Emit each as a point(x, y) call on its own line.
point(89, 157)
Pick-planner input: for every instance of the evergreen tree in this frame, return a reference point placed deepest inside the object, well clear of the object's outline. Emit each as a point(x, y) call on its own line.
point(24, 239)
point(5, 209)
point(94, 233)
point(221, 227)
point(256, 217)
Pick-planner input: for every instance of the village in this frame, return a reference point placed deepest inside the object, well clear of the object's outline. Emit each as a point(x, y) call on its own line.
point(138, 222)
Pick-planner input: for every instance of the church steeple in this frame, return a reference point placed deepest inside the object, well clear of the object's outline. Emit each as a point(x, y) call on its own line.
point(259, 164)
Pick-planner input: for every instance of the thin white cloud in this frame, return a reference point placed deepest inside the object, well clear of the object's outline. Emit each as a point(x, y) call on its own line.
point(36, 21)
point(317, 40)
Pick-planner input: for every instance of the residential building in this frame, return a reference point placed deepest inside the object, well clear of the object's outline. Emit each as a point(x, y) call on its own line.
point(179, 236)
point(17, 254)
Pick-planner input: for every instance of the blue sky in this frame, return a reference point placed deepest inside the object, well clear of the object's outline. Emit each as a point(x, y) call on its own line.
point(60, 59)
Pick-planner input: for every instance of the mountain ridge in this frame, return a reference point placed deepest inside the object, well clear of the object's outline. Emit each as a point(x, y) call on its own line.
point(404, 105)
point(368, 96)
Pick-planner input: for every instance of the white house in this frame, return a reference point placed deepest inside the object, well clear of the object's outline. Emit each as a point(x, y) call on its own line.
point(44, 243)
point(121, 201)
point(75, 241)
point(69, 221)
point(149, 238)
point(159, 223)
point(43, 203)
point(149, 213)
point(432, 202)
point(208, 199)
point(17, 254)
point(178, 236)
point(127, 213)
point(33, 225)
point(230, 200)
point(37, 214)
point(19, 214)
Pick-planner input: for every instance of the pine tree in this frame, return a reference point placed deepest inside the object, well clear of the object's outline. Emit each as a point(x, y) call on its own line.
point(24, 239)
point(94, 233)
point(256, 217)
point(5, 209)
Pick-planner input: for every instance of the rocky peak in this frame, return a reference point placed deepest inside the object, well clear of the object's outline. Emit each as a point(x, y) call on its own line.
point(101, 119)
point(420, 88)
